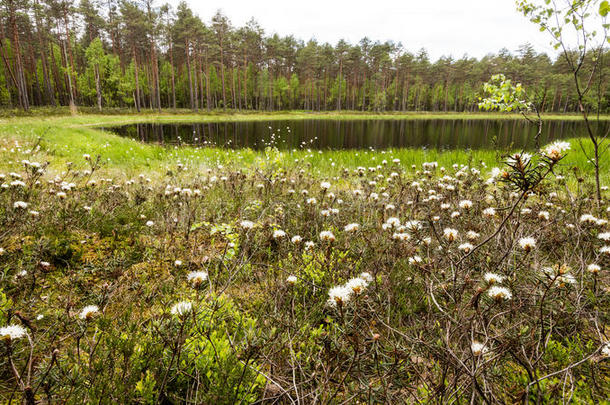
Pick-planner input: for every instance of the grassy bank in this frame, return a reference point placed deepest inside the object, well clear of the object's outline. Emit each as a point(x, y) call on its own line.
point(67, 138)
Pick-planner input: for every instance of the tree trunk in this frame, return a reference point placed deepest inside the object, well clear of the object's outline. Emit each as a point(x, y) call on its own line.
point(137, 100)
point(188, 67)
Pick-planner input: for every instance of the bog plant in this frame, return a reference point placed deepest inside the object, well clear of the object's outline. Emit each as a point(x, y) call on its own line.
point(273, 283)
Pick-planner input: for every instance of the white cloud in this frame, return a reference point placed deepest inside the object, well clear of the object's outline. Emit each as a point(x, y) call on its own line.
point(443, 27)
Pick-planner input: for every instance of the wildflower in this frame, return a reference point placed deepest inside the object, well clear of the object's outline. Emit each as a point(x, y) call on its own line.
point(278, 234)
point(593, 268)
point(478, 348)
point(466, 247)
point(291, 280)
point(455, 214)
point(178, 263)
point(2, 251)
point(544, 215)
point(12, 332)
point(403, 237)
point(181, 308)
point(489, 212)
point(492, 278)
point(605, 250)
point(352, 227)
point(606, 350)
point(20, 204)
point(588, 219)
point(327, 236)
point(472, 235)
point(566, 279)
point(499, 293)
point(415, 259)
point(393, 222)
point(311, 201)
point(88, 312)
point(325, 185)
point(45, 265)
point(366, 277)
point(246, 225)
point(555, 150)
point(527, 244)
point(338, 296)
point(357, 285)
point(149, 223)
point(197, 278)
point(465, 204)
point(309, 245)
point(413, 226)
point(450, 234)
point(604, 236)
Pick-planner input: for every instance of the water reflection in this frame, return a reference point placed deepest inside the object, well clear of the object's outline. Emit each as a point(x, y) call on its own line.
point(355, 134)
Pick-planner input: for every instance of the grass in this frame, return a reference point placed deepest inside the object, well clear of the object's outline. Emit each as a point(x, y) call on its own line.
point(67, 138)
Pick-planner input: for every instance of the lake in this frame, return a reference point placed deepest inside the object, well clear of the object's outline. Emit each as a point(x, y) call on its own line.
point(355, 134)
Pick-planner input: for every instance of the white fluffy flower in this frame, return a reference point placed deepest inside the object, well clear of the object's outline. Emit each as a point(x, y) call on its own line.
point(197, 278)
point(465, 204)
point(555, 150)
point(593, 268)
point(499, 293)
point(466, 247)
point(291, 280)
point(450, 234)
point(88, 312)
point(478, 348)
point(527, 244)
point(296, 239)
point(327, 236)
point(325, 185)
point(20, 204)
point(12, 332)
point(604, 236)
point(472, 235)
point(415, 259)
point(606, 350)
point(493, 278)
point(246, 224)
point(588, 219)
point(339, 295)
point(181, 308)
point(352, 227)
point(489, 212)
point(393, 222)
point(357, 285)
point(278, 234)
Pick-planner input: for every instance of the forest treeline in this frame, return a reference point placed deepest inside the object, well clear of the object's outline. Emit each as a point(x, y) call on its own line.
point(143, 55)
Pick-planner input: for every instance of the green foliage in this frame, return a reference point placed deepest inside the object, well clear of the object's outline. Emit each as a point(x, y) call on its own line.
point(503, 96)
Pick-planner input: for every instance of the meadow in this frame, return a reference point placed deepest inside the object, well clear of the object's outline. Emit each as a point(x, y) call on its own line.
point(141, 273)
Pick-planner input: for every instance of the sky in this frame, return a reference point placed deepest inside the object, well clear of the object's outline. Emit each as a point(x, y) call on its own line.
point(443, 27)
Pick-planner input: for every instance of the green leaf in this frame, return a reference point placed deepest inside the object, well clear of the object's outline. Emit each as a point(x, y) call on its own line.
point(604, 8)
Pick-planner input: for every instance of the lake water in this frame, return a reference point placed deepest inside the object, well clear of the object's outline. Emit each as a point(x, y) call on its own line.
point(355, 134)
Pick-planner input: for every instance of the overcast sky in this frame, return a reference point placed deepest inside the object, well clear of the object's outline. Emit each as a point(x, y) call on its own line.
point(443, 27)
